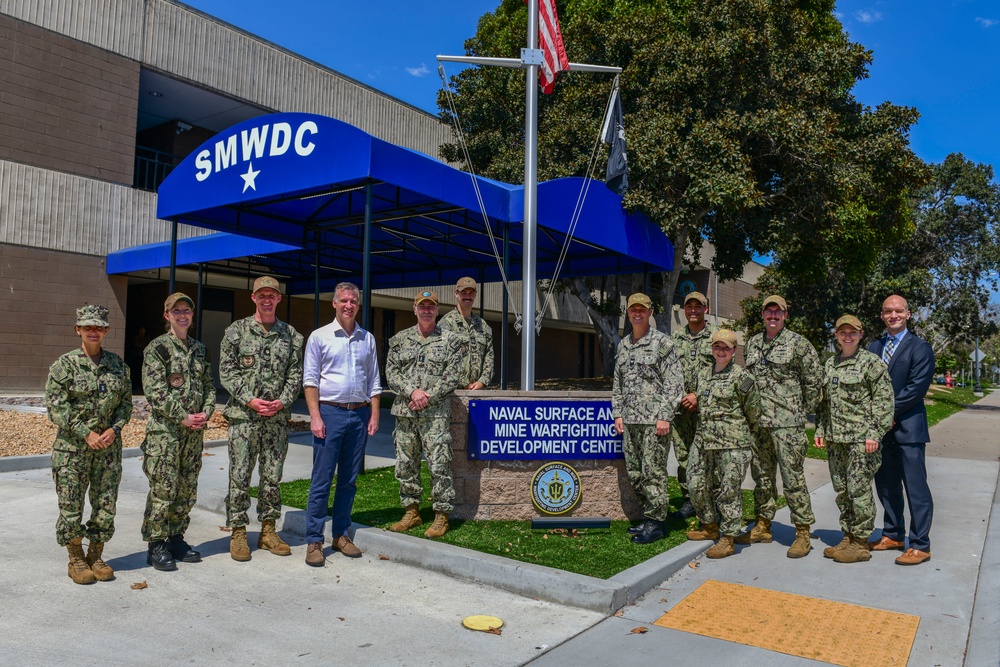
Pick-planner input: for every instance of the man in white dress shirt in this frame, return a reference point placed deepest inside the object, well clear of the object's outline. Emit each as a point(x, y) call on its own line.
point(342, 387)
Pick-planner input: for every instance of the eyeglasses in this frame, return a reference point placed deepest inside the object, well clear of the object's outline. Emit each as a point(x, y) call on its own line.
point(177, 312)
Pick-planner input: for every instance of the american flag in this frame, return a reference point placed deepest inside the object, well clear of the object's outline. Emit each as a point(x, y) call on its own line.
point(550, 39)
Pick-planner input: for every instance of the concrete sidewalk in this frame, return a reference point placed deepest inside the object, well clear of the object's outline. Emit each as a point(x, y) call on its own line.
point(955, 594)
point(273, 609)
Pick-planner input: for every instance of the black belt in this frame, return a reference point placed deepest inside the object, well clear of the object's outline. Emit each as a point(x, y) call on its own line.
point(346, 406)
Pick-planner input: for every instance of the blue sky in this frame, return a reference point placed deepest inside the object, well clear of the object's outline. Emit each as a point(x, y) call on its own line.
point(937, 55)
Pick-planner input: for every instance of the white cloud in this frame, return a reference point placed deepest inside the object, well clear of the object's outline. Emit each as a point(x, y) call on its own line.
point(418, 71)
point(866, 16)
point(986, 23)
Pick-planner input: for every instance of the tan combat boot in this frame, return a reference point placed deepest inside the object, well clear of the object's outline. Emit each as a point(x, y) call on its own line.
point(724, 547)
point(270, 541)
point(855, 552)
point(439, 527)
point(410, 520)
point(801, 546)
point(708, 531)
point(761, 532)
point(102, 571)
point(829, 551)
point(78, 569)
point(238, 547)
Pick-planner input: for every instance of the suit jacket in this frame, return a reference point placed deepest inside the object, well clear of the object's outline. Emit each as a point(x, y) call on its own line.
point(911, 370)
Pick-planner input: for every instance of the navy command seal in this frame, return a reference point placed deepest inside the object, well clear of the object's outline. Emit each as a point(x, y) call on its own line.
point(694, 348)
point(343, 392)
point(477, 367)
point(423, 368)
point(788, 375)
point(177, 381)
point(260, 365)
point(647, 387)
point(853, 416)
point(89, 397)
point(728, 403)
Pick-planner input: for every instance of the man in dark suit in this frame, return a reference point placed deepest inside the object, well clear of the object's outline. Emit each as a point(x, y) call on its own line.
point(911, 367)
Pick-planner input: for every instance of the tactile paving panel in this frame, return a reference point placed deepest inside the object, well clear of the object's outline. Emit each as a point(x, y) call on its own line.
point(834, 632)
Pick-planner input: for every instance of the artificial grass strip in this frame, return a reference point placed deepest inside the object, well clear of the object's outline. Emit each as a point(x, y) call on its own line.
point(833, 632)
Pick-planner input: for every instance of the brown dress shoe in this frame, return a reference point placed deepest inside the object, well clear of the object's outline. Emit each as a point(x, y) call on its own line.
point(885, 544)
point(913, 557)
point(314, 554)
point(344, 545)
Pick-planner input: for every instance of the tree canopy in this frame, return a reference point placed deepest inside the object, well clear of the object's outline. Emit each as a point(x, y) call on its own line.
point(944, 265)
point(740, 122)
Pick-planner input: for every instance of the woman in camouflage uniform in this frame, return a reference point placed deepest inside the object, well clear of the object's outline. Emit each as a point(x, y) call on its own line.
point(728, 403)
point(177, 381)
point(853, 415)
point(89, 397)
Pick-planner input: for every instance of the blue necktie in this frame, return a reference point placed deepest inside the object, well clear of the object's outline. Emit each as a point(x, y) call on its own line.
point(890, 347)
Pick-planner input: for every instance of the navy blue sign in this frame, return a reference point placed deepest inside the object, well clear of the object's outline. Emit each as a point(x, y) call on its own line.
point(542, 431)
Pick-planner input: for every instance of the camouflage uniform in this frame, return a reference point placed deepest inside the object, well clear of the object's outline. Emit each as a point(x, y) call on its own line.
point(433, 364)
point(256, 363)
point(84, 397)
point(477, 365)
point(788, 376)
point(728, 403)
point(857, 405)
point(648, 384)
point(695, 352)
point(177, 381)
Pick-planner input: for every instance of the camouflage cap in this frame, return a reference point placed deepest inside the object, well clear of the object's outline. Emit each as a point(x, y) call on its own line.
point(776, 300)
point(724, 336)
point(266, 281)
point(174, 298)
point(425, 295)
point(848, 320)
point(466, 283)
point(92, 316)
point(639, 298)
point(696, 296)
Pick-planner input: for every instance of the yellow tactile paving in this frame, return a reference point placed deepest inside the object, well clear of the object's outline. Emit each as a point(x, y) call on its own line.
point(834, 632)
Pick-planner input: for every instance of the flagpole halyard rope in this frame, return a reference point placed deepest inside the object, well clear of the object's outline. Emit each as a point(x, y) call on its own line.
point(479, 197)
point(577, 210)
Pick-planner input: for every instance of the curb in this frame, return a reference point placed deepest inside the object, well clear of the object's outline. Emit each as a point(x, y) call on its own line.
point(39, 461)
point(534, 581)
point(983, 649)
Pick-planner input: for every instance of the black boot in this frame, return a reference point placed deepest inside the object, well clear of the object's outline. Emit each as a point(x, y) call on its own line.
point(158, 555)
point(686, 510)
point(638, 528)
point(182, 551)
point(653, 530)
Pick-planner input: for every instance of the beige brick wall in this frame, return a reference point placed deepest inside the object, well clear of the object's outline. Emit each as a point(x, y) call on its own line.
point(66, 105)
point(40, 291)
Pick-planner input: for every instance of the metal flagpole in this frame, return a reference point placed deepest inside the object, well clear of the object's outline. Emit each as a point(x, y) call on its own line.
point(531, 58)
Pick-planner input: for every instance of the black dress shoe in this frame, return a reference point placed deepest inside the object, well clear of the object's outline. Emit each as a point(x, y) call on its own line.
point(686, 511)
point(654, 530)
point(182, 551)
point(158, 555)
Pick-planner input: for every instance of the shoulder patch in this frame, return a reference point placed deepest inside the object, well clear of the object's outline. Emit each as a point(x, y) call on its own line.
point(746, 385)
point(162, 353)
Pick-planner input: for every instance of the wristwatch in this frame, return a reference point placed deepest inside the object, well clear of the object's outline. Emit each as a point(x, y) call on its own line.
point(117, 429)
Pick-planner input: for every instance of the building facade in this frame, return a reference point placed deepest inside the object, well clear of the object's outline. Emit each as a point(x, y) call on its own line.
point(99, 99)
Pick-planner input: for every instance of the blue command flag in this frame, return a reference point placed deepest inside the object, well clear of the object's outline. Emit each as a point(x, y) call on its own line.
point(616, 177)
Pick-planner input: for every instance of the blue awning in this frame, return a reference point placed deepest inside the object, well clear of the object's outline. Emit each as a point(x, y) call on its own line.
point(299, 182)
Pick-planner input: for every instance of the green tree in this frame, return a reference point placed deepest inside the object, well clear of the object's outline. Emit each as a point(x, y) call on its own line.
point(945, 265)
point(740, 122)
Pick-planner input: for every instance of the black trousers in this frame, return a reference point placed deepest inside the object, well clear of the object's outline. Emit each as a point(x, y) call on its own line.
point(904, 470)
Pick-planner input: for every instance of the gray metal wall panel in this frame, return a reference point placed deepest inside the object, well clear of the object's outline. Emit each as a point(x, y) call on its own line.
point(114, 25)
point(186, 43)
point(48, 209)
